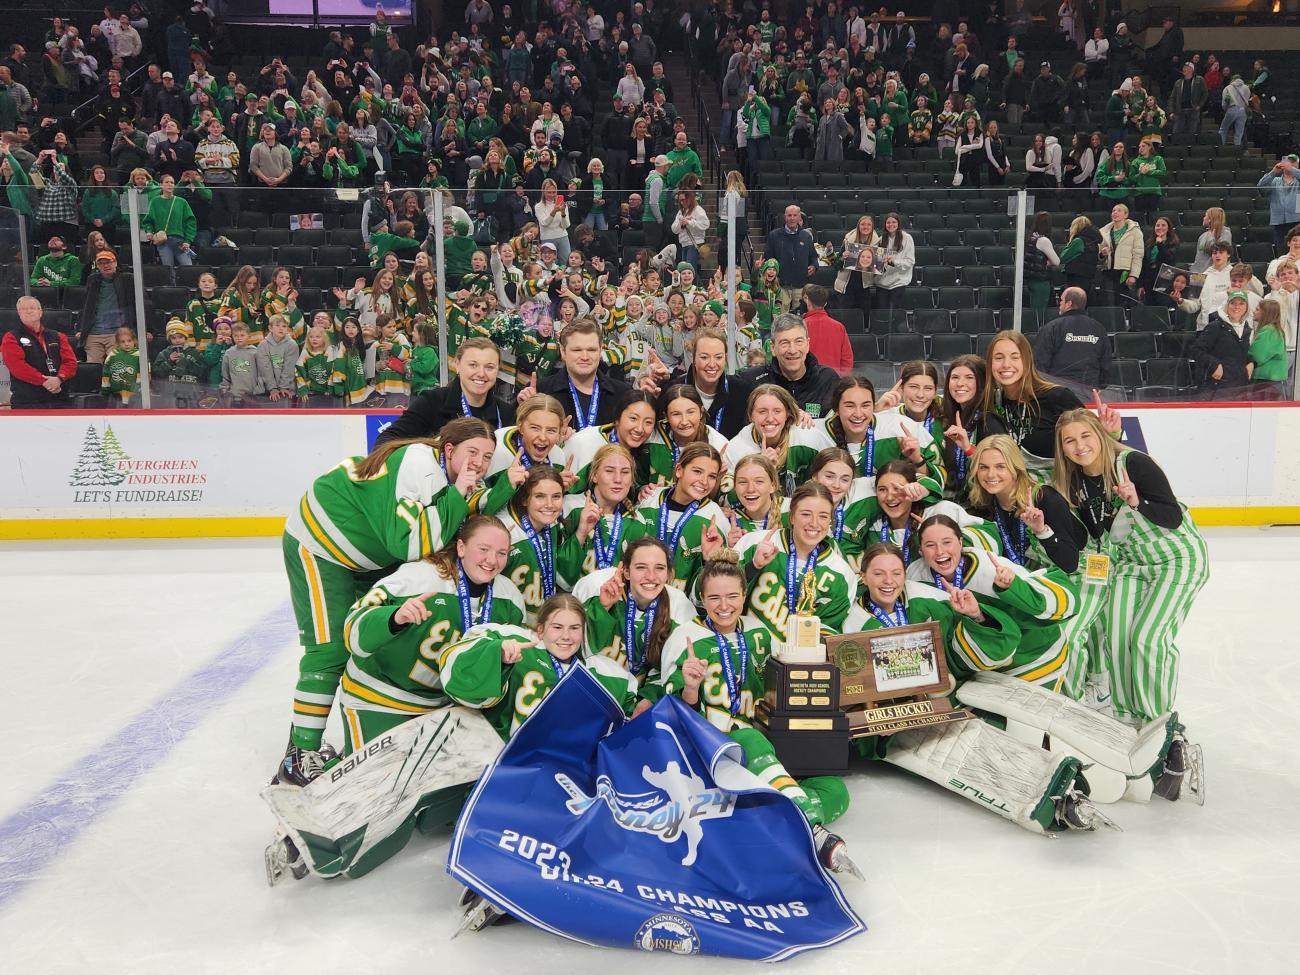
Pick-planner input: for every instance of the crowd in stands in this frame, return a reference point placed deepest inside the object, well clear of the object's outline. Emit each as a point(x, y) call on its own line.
point(295, 197)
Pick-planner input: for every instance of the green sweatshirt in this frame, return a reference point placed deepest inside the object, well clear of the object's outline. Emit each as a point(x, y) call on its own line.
point(1268, 352)
point(101, 204)
point(173, 217)
point(458, 251)
point(56, 271)
point(188, 365)
point(381, 242)
point(121, 376)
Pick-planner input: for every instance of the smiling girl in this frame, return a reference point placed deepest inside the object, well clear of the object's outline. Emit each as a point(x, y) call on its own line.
point(684, 514)
point(964, 420)
point(534, 439)
point(603, 521)
point(778, 559)
point(685, 422)
point(1026, 403)
point(872, 439)
point(758, 497)
point(541, 559)
point(633, 425)
point(772, 414)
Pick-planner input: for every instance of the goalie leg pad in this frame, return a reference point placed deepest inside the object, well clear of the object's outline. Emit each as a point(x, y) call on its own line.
point(1017, 781)
point(1112, 752)
point(363, 809)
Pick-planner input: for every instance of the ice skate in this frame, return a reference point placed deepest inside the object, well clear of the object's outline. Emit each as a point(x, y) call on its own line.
point(1074, 810)
point(1184, 772)
point(833, 853)
point(476, 912)
point(300, 765)
point(282, 857)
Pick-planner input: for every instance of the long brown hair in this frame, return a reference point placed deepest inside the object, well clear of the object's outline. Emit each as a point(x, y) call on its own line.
point(683, 391)
point(1031, 384)
point(791, 414)
point(919, 367)
point(444, 560)
point(844, 384)
point(535, 476)
point(453, 432)
point(658, 635)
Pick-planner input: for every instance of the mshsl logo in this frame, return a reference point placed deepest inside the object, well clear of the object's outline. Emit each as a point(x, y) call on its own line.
point(668, 932)
point(675, 807)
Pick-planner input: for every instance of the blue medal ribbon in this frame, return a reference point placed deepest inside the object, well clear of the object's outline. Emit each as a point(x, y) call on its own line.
point(465, 410)
point(886, 533)
point(675, 536)
point(605, 554)
point(728, 669)
point(958, 574)
point(897, 618)
point(629, 631)
point(523, 451)
point(613, 434)
point(1016, 549)
point(593, 408)
point(869, 451)
point(545, 552)
point(794, 577)
point(726, 391)
point(558, 666)
point(466, 607)
point(839, 521)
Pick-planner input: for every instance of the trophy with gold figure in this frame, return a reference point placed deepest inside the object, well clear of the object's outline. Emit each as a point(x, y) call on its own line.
point(800, 711)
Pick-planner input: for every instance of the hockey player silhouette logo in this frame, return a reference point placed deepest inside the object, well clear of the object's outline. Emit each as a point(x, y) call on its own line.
point(676, 808)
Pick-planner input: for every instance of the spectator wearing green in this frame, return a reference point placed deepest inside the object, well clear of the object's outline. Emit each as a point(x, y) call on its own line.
point(170, 223)
point(16, 183)
point(56, 268)
point(458, 249)
point(1268, 359)
point(1147, 176)
point(682, 159)
point(381, 242)
point(100, 206)
point(757, 116)
point(1113, 174)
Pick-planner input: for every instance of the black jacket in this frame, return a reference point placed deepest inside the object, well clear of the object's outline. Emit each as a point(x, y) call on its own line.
point(124, 287)
point(428, 412)
point(1218, 345)
point(1076, 348)
point(611, 388)
point(811, 391)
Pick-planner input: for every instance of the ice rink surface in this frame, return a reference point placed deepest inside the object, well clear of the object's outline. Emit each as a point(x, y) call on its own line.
point(146, 702)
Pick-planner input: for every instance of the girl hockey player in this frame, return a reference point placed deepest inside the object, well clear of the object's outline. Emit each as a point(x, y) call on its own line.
point(398, 504)
point(534, 439)
point(717, 668)
point(964, 420)
point(634, 422)
point(685, 423)
point(684, 516)
point(603, 521)
point(539, 561)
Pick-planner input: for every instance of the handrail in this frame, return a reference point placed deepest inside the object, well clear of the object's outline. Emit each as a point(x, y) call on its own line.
point(90, 103)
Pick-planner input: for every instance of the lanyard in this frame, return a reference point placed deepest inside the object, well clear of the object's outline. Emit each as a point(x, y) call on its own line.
point(897, 618)
point(869, 451)
point(886, 533)
point(629, 631)
point(593, 407)
point(958, 574)
point(839, 521)
point(523, 451)
point(605, 554)
point(466, 411)
point(793, 575)
point(676, 534)
point(1017, 548)
point(717, 419)
point(558, 666)
point(463, 597)
point(612, 436)
point(728, 669)
point(544, 551)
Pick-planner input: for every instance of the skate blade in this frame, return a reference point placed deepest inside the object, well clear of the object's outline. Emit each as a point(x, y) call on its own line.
point(843, 863)
point(276, 861)
point(1096, 819)
point(1194, 779)
point(477, 916)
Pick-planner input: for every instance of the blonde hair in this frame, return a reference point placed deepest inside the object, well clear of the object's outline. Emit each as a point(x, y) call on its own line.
point(1022, 496)
point(541, 403)
point(1066, 476)
point(602, 454)
point(1270, 315)
point(1217, 219)
point(791, 411)
point(760, 460)
point(736, 183)
point(1077, 225)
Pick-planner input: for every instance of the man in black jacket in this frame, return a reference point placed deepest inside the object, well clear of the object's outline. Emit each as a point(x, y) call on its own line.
point(618, 132)
point(1074, 347)
point(469, 393)
point(795, 369)
point(589, 394)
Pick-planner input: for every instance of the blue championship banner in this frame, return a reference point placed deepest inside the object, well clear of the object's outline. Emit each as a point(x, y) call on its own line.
point(646, 834)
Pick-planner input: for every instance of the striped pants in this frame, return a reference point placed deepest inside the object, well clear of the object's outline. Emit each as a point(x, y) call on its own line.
point(1085, 631)
point(1150, 596)
point(821, 798)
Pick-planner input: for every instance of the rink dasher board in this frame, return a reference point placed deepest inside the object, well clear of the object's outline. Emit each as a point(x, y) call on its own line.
point(235, 473)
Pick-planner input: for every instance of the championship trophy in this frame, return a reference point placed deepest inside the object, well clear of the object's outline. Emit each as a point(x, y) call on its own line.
point(800, 712)
point(893, 679)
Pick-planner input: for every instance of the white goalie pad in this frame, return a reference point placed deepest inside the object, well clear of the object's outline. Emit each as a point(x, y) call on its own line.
point(368, 796)
point(989, 767)
point(1116, 756)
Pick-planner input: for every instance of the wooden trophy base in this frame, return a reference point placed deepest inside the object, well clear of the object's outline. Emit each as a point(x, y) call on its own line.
point(889, 717)
point(807, 743)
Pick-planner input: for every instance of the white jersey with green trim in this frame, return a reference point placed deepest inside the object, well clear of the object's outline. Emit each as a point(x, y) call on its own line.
point(766, 600)
point(608, 640)
point(1039, 593)
point(890, 427)
point(581, 449)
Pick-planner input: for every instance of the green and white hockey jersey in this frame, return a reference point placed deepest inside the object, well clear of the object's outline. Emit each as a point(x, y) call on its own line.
point(663, 453)
point(415, 668)
point(836, 585)
point(1037, 601)
point(536, 675)
point(524, 567)
point(715, 701)
point(967, 643)
point(496, 491)
point(976, 532)
point(404, 513)
point(605, 626)
point(581, 449)
point(688, 558)
point(631, 527)
point(888, 430)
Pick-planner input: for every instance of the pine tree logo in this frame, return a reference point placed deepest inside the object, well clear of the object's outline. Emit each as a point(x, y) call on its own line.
point(97, 463)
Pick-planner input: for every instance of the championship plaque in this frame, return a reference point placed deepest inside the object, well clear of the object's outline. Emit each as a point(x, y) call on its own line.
point(893, 679)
